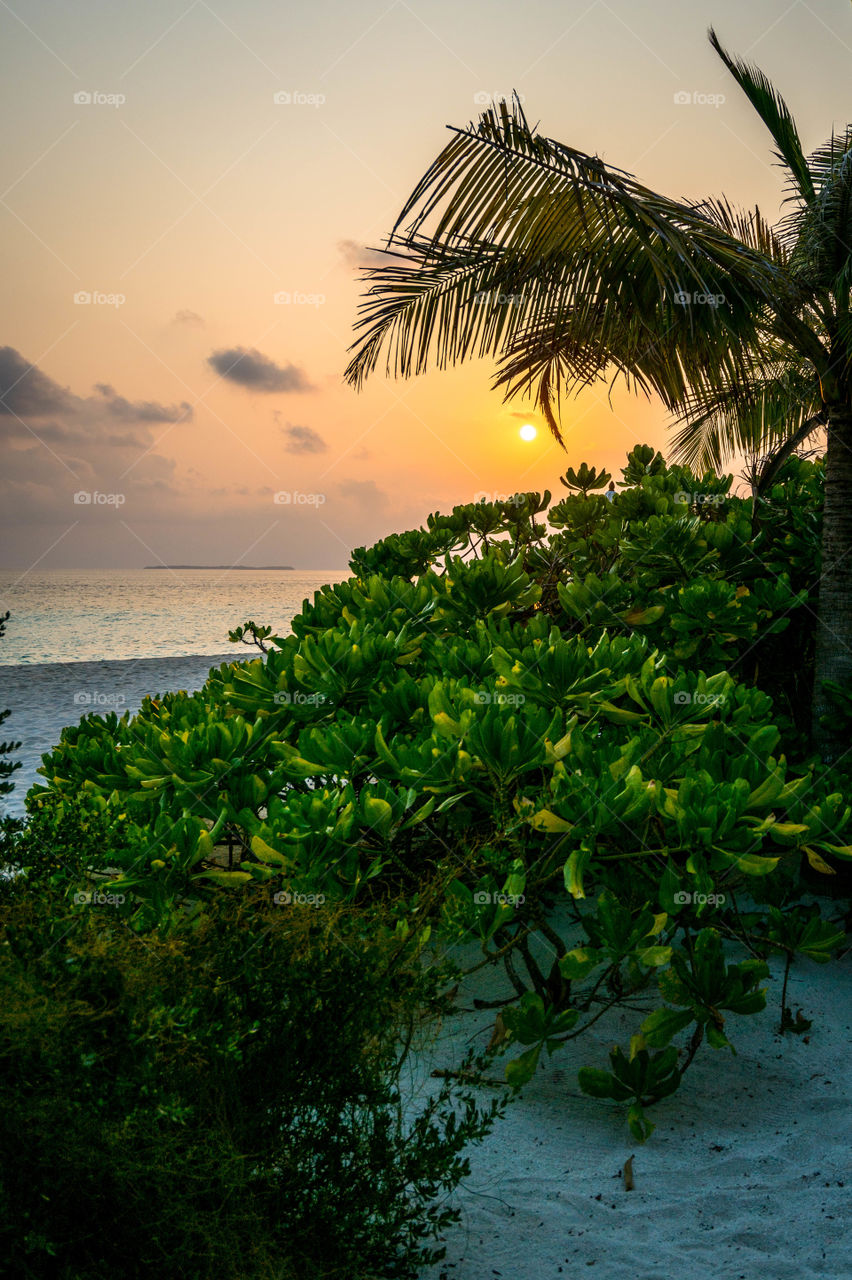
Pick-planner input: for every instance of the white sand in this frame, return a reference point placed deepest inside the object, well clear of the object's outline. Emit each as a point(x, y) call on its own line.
point(746, 1177)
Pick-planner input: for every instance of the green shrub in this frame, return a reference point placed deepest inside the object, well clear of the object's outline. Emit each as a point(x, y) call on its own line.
point(216, 1095)
point(507, 725)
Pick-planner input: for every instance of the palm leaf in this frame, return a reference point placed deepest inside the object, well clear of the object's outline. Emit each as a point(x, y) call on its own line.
point(756, 417)
point(597, 267)
point(775, 114)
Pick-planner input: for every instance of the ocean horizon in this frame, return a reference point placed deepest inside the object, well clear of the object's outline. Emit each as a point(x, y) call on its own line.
point(92, 641)
point(95, 615)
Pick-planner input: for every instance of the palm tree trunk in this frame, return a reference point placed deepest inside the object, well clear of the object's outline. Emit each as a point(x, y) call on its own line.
point(834, 610)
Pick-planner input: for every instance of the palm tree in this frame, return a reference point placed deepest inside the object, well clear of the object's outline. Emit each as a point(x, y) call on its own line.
point(565, 271)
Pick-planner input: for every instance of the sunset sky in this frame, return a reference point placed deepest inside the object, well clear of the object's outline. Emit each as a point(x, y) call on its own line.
point(181, 198)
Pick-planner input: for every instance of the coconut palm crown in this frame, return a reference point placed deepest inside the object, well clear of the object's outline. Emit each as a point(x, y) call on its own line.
point(564, 271)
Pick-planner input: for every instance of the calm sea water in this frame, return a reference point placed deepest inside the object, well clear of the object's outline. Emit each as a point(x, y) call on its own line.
point(69, 615)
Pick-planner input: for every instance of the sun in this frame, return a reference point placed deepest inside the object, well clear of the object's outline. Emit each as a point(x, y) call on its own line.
point(528, 431)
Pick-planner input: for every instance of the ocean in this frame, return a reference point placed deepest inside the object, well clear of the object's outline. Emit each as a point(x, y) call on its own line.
point(95, 615)
point(93, 641)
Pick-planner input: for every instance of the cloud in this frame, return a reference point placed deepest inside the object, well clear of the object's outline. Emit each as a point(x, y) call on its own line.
point(191, 318)
point(303, 439)
point(58, 443)
point(249, 368)
point(141, 410)
point(26, 391)
point(359, 255)
point(366, 493)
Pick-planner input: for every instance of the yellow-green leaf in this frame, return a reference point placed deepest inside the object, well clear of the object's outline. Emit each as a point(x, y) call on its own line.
point(266, 853)
point(818, 863)
point(546, 820)
point(787, 831)
point(226, 877)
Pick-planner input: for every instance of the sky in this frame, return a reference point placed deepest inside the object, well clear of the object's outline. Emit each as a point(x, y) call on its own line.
point(189, 189)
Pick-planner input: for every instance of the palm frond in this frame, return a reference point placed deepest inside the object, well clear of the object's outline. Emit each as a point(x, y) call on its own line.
point(822, 236)
point(746, 225)
point(602, 272)
point(754, 416)
point(775, 114)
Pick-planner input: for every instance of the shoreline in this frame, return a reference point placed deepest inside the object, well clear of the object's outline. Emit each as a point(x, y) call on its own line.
point(45, 697)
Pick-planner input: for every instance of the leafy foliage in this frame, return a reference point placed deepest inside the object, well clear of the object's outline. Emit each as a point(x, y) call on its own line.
point(217, 1095)
point(583, 771)
point(7, 767)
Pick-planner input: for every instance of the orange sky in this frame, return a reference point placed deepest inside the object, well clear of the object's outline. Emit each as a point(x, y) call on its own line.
point(197, 198)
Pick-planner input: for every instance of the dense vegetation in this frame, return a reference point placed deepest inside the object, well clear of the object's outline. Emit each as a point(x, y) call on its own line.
point(581, 743)
point(217, 1095)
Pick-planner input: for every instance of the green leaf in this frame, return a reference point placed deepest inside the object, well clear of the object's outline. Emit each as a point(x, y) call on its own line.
point(546, 820)
point(521, 1070)
point(754, 865)
point(580, 962)
point(265, 853)
point(596, 1083)
point(639, 1124)
point(574, 869)
point(229, 878)
point(378, 814)
point(661, 1025)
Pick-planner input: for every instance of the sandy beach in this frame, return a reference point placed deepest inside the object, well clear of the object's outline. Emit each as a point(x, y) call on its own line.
point(746, 1177)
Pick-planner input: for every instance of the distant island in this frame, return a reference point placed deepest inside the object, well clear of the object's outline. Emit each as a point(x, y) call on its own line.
point(266, 568)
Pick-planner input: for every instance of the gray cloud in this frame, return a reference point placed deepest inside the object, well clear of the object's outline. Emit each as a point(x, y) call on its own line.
point(303, 439)
point(366, 493)
point(141, 410)
point(191, 318)
point(58, 442)
point(26, 391)
point(251, 369)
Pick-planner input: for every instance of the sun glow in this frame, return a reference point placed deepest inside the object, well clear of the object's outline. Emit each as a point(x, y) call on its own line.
point(528, 431)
